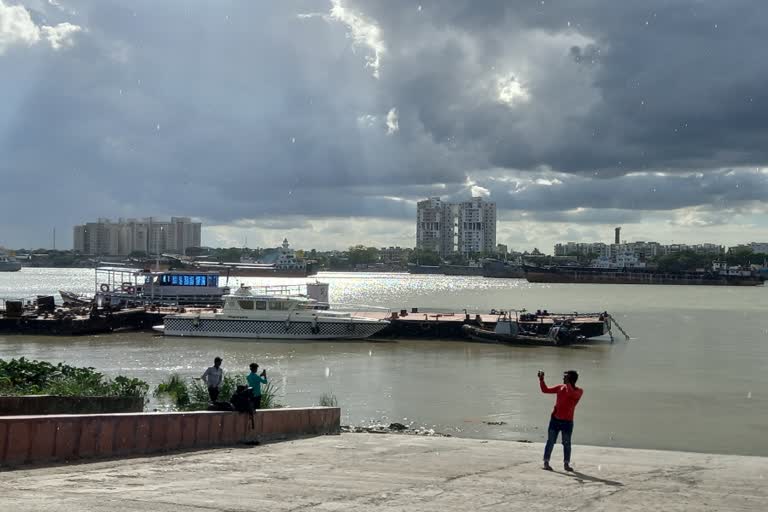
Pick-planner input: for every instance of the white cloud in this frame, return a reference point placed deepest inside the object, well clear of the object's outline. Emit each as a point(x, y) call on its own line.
point(393, 124)
point(367, 120)
point(363, 31)
point(61, 35)
point(323, 234)
point(18, 28)
point(510, 91)
point(478, 191)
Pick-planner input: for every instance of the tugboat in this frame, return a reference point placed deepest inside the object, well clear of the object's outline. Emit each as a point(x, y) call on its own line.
point(8, 263)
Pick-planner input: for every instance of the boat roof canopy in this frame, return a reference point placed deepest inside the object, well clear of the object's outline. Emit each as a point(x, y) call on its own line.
point(139, 271)
point(293, 298)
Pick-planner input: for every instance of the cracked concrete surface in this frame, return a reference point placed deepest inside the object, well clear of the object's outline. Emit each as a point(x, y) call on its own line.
point(364, 472)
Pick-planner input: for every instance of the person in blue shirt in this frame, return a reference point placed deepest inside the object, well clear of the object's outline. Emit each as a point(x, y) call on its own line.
point(255, 380)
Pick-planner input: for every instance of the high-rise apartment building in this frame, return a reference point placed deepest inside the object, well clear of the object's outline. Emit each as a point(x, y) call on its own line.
point(446, 228)
point(121, 238)
point(434, 226)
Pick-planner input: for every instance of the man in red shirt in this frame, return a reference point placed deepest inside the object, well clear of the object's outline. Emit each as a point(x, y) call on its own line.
point(561, 422)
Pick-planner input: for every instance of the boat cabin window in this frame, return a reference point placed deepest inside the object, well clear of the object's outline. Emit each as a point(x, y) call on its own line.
point(279, 306)
point(184, 280)
point(261, 305)
point(245, 304)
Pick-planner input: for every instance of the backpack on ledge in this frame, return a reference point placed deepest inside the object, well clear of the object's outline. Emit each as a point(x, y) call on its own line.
point(241, 400)
point(221, 406)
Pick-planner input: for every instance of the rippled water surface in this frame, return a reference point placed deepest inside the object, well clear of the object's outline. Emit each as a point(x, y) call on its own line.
point(694, 378)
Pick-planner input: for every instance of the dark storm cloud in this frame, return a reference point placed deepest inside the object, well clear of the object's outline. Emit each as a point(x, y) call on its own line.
point(255, 110)
point(642, 191)
point(678, 85)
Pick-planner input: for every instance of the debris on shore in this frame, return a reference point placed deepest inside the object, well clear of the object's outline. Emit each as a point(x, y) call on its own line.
point(392, 428)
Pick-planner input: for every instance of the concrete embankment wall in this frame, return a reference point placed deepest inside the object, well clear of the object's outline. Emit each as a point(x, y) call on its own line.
point(63, 438)
point(49, 404)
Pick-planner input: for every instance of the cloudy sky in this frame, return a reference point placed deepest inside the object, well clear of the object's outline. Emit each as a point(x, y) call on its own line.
point(326, 120)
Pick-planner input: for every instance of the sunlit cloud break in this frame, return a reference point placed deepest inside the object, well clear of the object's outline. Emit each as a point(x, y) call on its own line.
point(18, 28)
point(363, 31)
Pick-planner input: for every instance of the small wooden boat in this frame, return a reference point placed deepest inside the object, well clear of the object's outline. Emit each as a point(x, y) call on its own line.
point(74, 299)
point(509, 331)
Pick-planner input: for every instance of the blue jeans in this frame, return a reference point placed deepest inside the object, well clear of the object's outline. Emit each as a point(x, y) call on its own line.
point(565, 428)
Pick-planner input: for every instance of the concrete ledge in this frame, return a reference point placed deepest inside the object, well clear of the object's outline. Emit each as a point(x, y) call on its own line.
point(63, 438)
point(50, 404)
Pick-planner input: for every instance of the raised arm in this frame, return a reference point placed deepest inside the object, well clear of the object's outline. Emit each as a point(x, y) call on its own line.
point(545, 389)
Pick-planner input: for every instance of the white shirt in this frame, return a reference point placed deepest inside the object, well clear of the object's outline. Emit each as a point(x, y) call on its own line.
point(213, 377)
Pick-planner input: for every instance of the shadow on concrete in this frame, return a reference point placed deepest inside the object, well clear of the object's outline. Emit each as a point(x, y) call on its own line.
point(582, 478)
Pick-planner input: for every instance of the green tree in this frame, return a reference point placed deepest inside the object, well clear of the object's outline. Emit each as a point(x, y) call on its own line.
point(195, 251)
point(424, 257)
point(230, 255)
point(739, 256)
point(360, 254)
point(683, 261)
point(457, 259)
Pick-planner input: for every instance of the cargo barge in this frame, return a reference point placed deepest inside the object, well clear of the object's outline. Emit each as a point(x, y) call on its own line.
point(639, 276)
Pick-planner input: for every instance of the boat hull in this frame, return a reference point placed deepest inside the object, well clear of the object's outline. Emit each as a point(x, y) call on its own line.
point(461, 270)
point(10, 266)
point(488, 336)
point(424, 269)
point(270, 329)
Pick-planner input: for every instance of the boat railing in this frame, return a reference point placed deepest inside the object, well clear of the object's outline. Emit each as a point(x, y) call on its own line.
point(279, 290)
point(158, 299)
point(345, 307)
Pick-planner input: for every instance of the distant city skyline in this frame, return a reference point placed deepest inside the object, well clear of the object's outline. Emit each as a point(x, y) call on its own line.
point(149, 235)
point(402, 234)
point(326, 121)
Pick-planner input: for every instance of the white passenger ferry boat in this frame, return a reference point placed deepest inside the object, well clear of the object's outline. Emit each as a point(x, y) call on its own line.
point(274, 313)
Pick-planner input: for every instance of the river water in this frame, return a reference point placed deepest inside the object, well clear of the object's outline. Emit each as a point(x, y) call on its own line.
point(694, 377)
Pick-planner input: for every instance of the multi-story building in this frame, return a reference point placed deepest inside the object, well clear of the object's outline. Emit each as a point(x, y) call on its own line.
point(582, 249)
point(476, 233)
point(446, 228)
point(121, 238)
point(759, 247)
point(434, 226)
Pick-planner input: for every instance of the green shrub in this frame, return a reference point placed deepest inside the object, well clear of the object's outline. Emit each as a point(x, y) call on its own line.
point(192, 394)
point(328, 400)
point(29, 377)
point(174, 388)
point(269, 394)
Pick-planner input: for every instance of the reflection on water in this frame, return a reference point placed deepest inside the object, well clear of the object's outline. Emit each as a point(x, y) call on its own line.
point(693, 378)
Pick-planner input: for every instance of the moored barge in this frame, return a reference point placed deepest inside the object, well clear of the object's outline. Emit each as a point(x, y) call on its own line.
point(639, 276)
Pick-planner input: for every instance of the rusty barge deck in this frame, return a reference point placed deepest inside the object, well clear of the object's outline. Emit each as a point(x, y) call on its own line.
point(414, 325)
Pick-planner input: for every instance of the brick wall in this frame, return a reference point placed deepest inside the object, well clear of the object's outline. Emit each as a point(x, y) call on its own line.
point(63, 438)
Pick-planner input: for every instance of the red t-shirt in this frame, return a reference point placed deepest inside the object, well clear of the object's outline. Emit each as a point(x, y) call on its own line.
point(567, 398)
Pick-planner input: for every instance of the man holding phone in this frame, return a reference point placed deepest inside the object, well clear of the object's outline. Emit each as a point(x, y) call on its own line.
point(561, 422)
point(255, 380)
